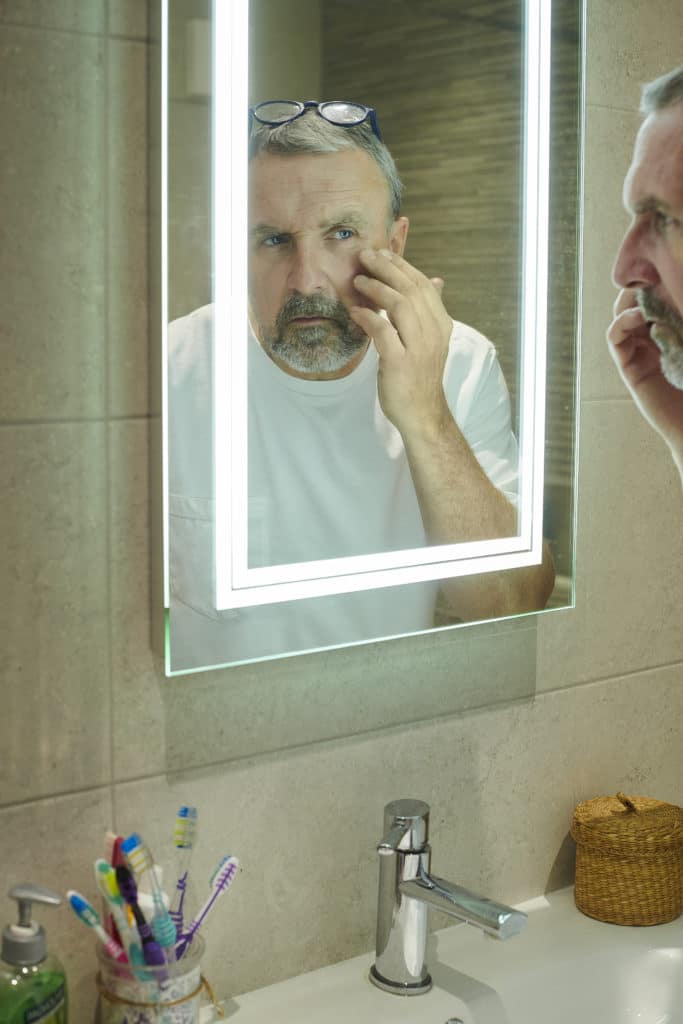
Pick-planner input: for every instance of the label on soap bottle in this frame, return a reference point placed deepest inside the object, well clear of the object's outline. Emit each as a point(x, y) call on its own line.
point(50, 1010)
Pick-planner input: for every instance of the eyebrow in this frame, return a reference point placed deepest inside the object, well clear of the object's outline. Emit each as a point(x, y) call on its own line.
point(650, 203)
point(352, 218)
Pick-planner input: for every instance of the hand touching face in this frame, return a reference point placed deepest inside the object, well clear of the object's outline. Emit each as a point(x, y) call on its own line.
point(411, 340)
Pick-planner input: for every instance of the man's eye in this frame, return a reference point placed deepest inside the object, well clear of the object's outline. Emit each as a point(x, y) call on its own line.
point(665, 222)
point(342, 234)
point(274, 240)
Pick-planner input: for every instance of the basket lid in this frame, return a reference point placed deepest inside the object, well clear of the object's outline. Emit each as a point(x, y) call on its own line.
point(628, 826)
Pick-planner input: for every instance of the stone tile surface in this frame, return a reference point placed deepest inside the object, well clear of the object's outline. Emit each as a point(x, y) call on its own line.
point(52, 182)
point(629, 553)
point(64, 15)
point(54, 729)
point(138, 719)
point(127, 18)
point(621, 57)
point(128, 327)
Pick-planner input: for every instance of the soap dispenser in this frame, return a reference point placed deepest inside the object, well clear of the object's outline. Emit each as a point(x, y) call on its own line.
point(32, 981)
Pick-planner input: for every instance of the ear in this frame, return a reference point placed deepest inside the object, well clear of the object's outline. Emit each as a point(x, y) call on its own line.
point(398, 235)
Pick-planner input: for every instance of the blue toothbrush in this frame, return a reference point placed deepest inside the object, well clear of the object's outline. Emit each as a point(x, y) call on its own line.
point(184, 838)
point(140, 862)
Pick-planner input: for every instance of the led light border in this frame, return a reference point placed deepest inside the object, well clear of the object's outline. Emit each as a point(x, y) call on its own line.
point(163, 285)
point(236, 584)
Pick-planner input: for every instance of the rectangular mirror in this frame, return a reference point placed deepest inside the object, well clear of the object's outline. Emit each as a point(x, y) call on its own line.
point(481, 113)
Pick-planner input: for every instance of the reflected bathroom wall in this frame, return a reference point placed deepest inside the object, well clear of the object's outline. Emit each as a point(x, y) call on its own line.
point(456, 139)
point(189, 156)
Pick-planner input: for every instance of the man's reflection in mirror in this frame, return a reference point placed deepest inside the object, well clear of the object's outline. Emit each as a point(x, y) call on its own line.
point(646, 336)
point(376, 421)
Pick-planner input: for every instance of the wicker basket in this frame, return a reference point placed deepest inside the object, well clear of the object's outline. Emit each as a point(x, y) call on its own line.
point(629, 859)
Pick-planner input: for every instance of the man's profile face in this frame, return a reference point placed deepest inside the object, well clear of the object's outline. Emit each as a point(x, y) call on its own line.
point(310, 215)
point(650, 259)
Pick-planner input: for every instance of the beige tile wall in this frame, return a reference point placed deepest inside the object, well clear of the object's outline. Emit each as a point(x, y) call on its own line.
point(89, 730)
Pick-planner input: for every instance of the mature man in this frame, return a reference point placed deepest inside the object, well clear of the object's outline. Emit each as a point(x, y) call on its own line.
point(355, 445)
point(646, 335)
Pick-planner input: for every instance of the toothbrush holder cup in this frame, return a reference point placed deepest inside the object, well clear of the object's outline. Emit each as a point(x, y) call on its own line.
point(170, 994)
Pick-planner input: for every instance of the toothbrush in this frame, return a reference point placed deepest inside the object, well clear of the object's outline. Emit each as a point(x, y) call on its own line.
point(151, 950)
point(87, 913)
point(112, 854)
point(140, 862)
point(219, 866)
point(184, 837)
point(221, 881)
point(105, 876)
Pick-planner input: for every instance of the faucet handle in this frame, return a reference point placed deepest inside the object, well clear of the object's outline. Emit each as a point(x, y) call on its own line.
point(406, 826)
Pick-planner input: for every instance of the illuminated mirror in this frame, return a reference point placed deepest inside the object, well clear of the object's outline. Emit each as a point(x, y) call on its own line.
point(481, 114)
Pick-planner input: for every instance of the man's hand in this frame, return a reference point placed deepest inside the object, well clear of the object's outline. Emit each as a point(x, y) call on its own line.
point(412, 343)
point(638, 360)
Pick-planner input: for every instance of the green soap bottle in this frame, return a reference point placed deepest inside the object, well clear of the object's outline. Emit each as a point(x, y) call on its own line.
point(32, 981)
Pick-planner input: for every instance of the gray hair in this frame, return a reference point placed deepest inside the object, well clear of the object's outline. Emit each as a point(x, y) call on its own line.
point(311, 133)
point(663, 92)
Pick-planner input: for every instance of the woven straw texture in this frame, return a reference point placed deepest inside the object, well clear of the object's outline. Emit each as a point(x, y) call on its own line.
point(629, 859)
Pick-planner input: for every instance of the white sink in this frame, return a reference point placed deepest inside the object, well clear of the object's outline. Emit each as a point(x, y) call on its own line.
point(564, 968)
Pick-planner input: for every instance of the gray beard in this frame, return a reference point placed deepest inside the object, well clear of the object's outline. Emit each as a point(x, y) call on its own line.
point(321, 348)
point(669, 341)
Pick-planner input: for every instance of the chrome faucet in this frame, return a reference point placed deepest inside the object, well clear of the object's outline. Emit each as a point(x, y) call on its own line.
point(406, 889)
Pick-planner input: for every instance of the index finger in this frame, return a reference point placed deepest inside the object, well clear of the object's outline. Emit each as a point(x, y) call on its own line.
point(626, 299)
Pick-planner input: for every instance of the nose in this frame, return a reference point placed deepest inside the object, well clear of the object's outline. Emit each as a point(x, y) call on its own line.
point(306, 272)
point(633, 266)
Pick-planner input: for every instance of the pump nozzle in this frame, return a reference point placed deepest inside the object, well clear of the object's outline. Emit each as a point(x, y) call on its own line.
point(25, 943)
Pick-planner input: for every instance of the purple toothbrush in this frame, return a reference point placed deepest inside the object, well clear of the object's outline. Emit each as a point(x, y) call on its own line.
point(151, 950)
point(221, 881)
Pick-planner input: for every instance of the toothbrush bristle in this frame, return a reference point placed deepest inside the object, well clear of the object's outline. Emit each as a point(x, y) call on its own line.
point(226, 873)
point(185, 827)
point(137, 854)
point(108, 881)
point(221, 865)
point(83, 908)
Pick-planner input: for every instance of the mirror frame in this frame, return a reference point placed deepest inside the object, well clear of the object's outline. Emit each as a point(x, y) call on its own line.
point(237, 585)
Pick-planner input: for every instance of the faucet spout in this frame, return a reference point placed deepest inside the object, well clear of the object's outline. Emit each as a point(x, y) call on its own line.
point(407, 889)
point(493, 918)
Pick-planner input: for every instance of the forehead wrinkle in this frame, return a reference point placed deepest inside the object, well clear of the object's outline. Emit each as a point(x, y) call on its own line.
point(307, 189)
point(344, 216)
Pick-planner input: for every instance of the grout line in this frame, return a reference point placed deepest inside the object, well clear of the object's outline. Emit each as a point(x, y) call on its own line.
point(603, 680)
point(612, 109)
point(170, 773)
point(106, 149)
point(77, 420)
point(617, 399)
point(50, 797)
point(63, 31)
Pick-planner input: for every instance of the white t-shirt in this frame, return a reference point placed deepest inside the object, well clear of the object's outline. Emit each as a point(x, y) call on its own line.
point(328, 477)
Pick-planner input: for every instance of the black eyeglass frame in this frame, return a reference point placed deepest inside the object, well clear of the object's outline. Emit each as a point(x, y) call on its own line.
point(369, 114)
